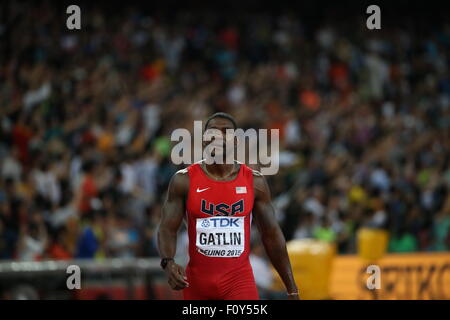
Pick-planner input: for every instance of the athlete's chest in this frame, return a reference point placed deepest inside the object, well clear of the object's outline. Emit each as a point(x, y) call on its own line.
point(220, 199)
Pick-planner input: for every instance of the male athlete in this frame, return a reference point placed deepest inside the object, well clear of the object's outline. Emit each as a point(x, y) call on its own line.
point(218, 202)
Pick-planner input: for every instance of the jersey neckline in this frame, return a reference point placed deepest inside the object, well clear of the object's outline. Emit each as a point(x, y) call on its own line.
point(220, 181)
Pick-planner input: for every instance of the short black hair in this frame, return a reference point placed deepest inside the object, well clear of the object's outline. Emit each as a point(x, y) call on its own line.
point(222, 115)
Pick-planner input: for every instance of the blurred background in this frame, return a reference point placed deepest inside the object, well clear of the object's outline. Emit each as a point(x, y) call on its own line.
point(86, 118)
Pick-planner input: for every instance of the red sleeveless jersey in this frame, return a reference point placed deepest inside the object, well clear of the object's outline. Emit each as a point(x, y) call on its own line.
point(219, 215)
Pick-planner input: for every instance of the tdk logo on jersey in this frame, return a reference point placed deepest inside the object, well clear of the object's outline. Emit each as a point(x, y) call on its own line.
point(221, 222)
point(205, 223)
point(222, 209)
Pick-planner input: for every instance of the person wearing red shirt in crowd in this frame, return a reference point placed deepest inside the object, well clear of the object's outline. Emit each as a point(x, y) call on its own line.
point(88, 188)
point(21, 136)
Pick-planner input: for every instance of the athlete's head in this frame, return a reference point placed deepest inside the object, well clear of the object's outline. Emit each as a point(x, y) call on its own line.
point(221, 115)
point(219, 130)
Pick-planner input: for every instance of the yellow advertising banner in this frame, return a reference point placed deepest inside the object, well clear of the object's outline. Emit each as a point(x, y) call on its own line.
point(420, 276)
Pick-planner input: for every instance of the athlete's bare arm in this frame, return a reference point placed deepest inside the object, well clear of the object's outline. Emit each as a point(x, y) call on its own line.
point(271, 234)
point(171, 219)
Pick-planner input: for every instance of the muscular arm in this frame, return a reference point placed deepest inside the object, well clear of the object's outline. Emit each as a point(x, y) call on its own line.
point(171, 219)
point(271, 234)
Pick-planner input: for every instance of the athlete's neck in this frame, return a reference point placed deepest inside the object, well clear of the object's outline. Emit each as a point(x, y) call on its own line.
point(220, 171)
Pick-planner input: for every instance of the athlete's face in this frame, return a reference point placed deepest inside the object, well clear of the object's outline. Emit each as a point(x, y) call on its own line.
point(216, 134)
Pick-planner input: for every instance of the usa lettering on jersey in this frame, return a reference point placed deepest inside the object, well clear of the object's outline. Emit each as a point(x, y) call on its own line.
point(222, 209)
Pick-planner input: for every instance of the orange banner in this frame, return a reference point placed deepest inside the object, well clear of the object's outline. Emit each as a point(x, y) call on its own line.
point(420, 276)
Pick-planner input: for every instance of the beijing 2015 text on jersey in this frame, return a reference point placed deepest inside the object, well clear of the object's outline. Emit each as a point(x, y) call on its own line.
point(219, 215)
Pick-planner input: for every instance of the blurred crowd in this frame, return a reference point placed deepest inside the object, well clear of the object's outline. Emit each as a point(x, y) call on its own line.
point(86, 118)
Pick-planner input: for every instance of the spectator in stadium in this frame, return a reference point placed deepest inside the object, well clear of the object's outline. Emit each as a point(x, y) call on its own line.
point(33, 239)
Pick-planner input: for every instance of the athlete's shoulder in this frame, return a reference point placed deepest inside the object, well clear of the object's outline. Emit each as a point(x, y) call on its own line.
point(249, 169)
point(190, 168)
point(258, 179)
point(179, 183)
point(260, 184)
point(257, 173)
point(181, 172)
